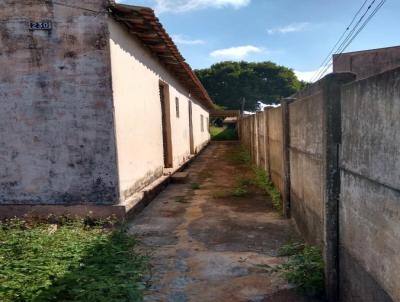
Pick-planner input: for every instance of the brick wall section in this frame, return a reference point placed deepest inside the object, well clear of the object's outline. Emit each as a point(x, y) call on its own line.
point(56, 115)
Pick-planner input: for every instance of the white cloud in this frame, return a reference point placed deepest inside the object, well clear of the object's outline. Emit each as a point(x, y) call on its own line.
point(235, 53)
point(179, 6)
point(290, 28)
point(179, 39)
point(311, 76)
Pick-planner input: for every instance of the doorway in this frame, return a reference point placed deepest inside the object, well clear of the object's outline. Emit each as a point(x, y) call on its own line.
point(166, 125)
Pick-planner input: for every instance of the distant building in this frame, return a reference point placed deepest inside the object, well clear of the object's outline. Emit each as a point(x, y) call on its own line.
point(231, 122)
point(96, 103)
point(367, 63)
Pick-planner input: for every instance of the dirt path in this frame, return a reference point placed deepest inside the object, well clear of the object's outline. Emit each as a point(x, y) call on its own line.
point(208, 245)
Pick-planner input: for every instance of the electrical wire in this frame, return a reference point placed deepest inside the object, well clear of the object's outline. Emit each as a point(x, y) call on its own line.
point(324, 68)
point(352, 37)
point(354, 32)
point(328, 57)
point(79, 7)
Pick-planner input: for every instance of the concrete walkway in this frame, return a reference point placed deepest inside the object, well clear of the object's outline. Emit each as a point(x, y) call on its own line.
point(208, 245)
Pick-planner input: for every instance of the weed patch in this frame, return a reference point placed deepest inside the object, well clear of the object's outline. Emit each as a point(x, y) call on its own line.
point(195, 186)
point(240, 156)
point(68, 261)
point(181, 199)
point(239, 192)
point(264, 182)
point(304, 268)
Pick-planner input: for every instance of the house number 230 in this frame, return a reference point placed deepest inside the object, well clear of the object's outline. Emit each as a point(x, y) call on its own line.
point(43, 25)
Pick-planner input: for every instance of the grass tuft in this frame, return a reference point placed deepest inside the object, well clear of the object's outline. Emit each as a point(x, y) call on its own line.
point(195, 186)
point(264, 182)
point(181, 199)
point(304, 268)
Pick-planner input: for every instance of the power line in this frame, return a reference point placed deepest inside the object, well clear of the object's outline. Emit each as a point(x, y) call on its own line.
point(365, 23)
point(320, 73)
point(356, 29)
point(351, 37)
point(79, 7)
point(327, 59)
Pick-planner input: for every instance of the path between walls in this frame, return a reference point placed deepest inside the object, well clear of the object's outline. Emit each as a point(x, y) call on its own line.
point(205, 246)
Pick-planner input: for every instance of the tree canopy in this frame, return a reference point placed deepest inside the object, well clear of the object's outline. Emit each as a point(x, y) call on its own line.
point(229, 82)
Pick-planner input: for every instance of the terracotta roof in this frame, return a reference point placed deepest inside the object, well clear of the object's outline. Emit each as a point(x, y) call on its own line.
point(143, 24)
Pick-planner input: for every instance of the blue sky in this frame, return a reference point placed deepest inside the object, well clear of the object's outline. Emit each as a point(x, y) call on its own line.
point(294, 33)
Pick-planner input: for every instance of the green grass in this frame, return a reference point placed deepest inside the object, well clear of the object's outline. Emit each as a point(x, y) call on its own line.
point(304, 268)
point(223, 134)
point(239, 157)
point(68, 261)
point(195, 186)
point(181, 199)
point(264, 182)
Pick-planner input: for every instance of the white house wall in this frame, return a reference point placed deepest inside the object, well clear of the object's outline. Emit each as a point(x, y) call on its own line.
point(136, 75)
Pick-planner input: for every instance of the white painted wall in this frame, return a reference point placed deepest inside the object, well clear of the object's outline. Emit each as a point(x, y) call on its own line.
point(135, 77)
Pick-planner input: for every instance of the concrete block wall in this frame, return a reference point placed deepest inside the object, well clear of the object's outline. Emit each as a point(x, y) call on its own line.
point(275, 144)
point(348, 207)
point(369, 209)
point(306, 165)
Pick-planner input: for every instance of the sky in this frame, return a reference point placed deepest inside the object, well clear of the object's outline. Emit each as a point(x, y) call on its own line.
point(298, 34)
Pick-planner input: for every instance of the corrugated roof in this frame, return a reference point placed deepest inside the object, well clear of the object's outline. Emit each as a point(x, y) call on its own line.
point(143, 24)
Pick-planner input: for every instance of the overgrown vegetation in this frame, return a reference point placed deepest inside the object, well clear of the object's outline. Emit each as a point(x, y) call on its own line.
point(69, 261)
point(223, 134)
point(304, 268)
point(260, 178)
point(264, 182)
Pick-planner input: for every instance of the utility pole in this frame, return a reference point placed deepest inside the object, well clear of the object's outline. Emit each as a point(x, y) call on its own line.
point(243, 104)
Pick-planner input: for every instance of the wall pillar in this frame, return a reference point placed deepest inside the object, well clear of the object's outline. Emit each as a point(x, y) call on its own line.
point(331, 121)
point(286, 156)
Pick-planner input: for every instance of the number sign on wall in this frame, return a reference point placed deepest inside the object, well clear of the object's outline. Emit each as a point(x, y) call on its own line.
point(43, 25)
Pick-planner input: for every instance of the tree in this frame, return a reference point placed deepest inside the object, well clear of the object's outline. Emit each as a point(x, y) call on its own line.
point(229, 82)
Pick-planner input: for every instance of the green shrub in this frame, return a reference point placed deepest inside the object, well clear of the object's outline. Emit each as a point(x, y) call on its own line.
point(68, 261)
point(304, 268)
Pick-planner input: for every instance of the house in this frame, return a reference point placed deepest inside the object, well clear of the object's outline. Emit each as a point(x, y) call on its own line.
point(96, 104)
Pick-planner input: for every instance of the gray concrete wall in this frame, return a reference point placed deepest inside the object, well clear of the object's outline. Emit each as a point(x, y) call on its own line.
point(57, 141)
point(306, 165)
point(367, 63)
point(275, 144)
point(370, 194)
point(262, 137)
